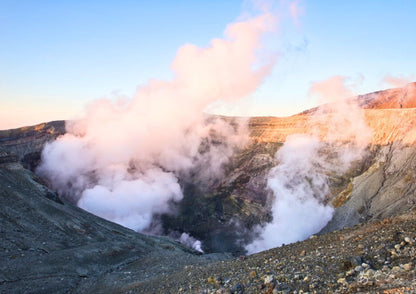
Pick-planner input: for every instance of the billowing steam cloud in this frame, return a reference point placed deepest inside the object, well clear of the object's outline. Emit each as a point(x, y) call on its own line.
point(338, 135)
point(123, 161)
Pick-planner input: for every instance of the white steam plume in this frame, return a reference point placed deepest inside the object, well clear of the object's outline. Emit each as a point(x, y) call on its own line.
point(338, 135)
point(123, 161)
point(191, 242)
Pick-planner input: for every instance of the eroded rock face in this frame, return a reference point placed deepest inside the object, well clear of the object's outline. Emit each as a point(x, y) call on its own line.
point(27, 143)
point(385, 189)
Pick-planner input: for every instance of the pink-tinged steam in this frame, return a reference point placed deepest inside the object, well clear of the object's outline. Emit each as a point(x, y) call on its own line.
point(123, 161)
point(296, 11)
point(398, 81)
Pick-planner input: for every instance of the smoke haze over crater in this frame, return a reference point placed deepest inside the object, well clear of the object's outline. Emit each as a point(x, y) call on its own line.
point(123, 161)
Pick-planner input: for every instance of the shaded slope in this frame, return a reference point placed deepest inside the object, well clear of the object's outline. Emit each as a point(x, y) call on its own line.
point(47, 246)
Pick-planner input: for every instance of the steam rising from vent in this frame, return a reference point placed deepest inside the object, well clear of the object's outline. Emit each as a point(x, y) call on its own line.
point(338, 136)
point(123, 161)
point(191, 242)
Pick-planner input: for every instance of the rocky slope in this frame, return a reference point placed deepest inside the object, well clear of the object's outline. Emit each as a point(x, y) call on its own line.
point(376, 257)
point(48, 246)
point(27, 142)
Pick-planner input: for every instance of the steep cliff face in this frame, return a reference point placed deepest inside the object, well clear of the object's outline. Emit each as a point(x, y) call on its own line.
point(27, 142)
point(385, 189)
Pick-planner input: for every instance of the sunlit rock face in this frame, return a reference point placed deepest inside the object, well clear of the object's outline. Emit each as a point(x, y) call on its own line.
point(27, 142)
point(390, 114)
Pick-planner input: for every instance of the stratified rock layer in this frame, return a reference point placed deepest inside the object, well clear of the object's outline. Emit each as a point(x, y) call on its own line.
point(27, 143)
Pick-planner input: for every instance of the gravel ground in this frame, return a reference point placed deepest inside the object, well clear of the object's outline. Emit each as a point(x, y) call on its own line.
point(378, 257)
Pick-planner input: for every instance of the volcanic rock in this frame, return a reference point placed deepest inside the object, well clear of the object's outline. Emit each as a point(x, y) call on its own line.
point(48, 246)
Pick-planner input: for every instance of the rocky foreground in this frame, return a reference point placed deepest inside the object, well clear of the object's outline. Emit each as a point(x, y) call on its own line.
point(378, 257)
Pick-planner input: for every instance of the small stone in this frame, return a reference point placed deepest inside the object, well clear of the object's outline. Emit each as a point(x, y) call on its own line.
point(282, 287)
point(342, 281)
point(408, 240)
point(238, 289)
point(350, 273)
point(396, 268)
point(369, 273)
point(211, 280)
point(268, 279)
point(82, 272)
point(305, 279)
point(360, 246)
point(397, 247)
point(359, 268)
point(253, 274)
point(365, 265)
point(407, 266)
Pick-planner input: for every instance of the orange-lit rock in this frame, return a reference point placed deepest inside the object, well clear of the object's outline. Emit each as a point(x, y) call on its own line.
point(390, 115)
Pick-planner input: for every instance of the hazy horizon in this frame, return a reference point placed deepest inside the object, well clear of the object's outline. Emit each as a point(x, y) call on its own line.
point(60, 57)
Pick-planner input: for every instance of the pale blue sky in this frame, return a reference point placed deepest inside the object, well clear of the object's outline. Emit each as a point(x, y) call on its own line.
point(56, 56)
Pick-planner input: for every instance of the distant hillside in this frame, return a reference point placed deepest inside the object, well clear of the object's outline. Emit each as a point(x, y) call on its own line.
point(404, 97)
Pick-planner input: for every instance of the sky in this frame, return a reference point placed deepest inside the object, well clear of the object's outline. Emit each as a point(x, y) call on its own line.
point(56, 57)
